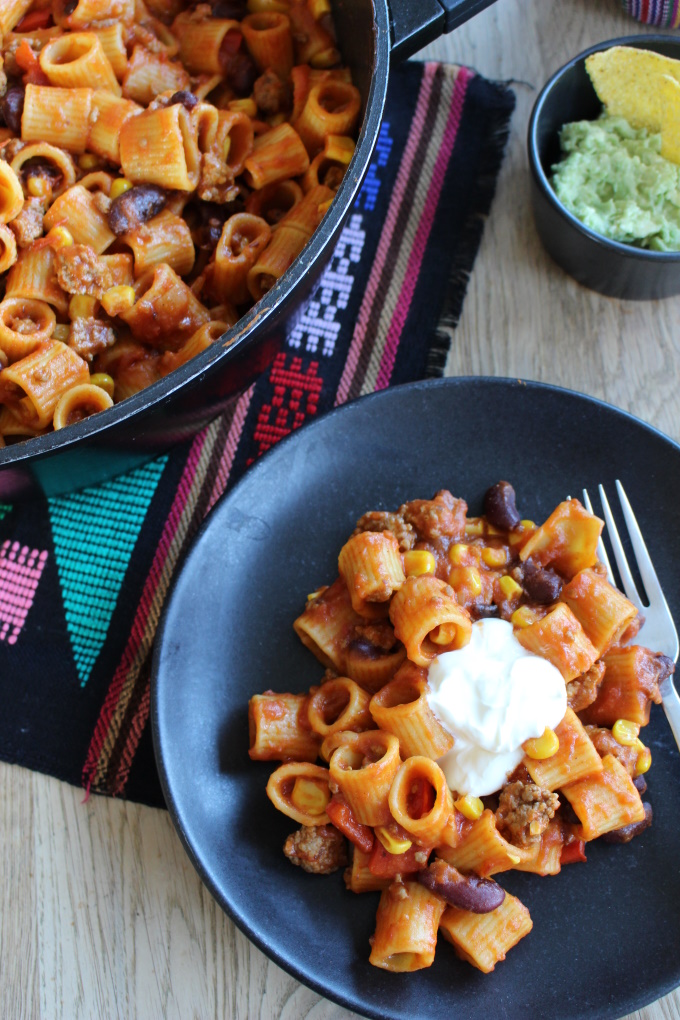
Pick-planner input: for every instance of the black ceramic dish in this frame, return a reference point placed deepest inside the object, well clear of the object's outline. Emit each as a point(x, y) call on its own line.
point(371, 34)
point(618, 270)
point(606, 936)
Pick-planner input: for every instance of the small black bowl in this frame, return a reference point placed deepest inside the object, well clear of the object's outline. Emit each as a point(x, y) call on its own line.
point(618, 270)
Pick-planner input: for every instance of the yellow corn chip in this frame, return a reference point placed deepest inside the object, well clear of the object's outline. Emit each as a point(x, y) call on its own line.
point(643, 87)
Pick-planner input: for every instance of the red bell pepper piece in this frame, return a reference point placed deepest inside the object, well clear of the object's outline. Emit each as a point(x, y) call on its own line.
point(574, 851)
point(28, 62)
point(342, 817)
point(34, 21)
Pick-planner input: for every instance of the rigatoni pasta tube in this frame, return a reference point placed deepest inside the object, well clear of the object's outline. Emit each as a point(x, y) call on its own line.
point(42, 153)
point(159, 147)
point(327, 625)
point(166, 312)
point(484, 939)
point(339, 704)
point(427, 618)
point(406, 927)
point(241, 242)
point(425, 828)
point(364, 767)
point(204, 337)
point(279, 728)
point(602, 610)
point(630, 684)
point(277, 154)
point(202, 41)
point(567, 541)
point(313, 43)
point(268, 38)
point(359, 878)
point(11, 13)
point(370, 564)
point(109, 113)
point(23, 325)
point(482, 849)
point(150, 74)
point(166, 238)
point(301, 791)
point(274, 201)
point(575, 757)
point(57, 115)
point(560, 638)
point(78, 60)
point(32, 386)
point(112, 38)
point(80, 402)
point(373, 655)
point(401, 707)
point(11, 194)
point(606, 800)
point(8, 248)
point(34, 276)
point(77, 208)
point(86, 12)
point(331, 108)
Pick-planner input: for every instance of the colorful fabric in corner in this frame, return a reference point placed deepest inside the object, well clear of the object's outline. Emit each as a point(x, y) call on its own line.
point(83, 578)
point(664, 13)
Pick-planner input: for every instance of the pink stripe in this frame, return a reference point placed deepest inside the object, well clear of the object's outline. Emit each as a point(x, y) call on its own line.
point(384, 245)
point(231, 445)
point(423, 233)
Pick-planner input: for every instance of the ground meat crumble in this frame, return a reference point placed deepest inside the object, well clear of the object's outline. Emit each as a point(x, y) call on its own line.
point(319, 849)
point(524, 812)
point(381, 520)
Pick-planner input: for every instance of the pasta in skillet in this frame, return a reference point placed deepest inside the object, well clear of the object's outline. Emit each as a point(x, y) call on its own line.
point(480, 712)
point(162, 164)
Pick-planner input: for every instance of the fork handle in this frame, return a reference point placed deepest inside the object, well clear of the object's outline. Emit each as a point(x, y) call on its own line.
point(671, 706)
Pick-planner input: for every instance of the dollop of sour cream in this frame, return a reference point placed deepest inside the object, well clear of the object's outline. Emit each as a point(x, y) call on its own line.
point(492, 695)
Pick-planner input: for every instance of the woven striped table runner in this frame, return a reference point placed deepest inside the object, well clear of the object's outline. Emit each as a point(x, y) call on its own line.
point(83, 577)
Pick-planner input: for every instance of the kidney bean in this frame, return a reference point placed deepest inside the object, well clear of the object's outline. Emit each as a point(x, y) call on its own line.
point(500, 507)
point(186, 98)
point(135, 206)
point(12, 108)
point(640, 784)
point(487, 612)
point(235, 9)
point(541, 583)
point(479, 895)
point(627, 832)
point(241, 73)
point(69, 7)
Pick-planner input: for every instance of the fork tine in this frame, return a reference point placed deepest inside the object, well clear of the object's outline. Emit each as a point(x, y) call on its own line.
point(645, 566)
point(619, 554)
point(601, 550)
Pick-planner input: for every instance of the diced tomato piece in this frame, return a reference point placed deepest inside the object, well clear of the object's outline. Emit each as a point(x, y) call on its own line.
point(28, 62)
point(34, 20)
point(387, 865)
point(574, 851)
point(342, 817)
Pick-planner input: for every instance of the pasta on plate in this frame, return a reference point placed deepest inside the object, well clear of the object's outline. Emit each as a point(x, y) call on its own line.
point(162, 164)
point(367, 755)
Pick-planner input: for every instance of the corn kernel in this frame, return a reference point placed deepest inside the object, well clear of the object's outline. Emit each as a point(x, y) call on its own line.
point(474, 526)
point(88, 161)
point(458, 553)
point(509, 587)
point(82, 306)
point(625, 732)
point(247, 106)
point(319, 8)
point(119, 187)
point(339, 148)
point(323, 207)
point(514, 858)
point(542, 747)
point(491, 529)
point(535, 828)
point(493, 557)
point(467, 579)
point(470, 807)
point(104, 381)
point(527, 525)
point(309, 796)
point(393, 844)
point(523, 617)
point(60, 237)
point(444, 634)
point(644, 759)
point(119, 299)
point(38, 186)
point(419, 561)
point(315, 594)
point(61, 332)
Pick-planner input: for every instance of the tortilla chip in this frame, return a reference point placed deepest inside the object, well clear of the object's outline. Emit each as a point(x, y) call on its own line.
point(643, 87)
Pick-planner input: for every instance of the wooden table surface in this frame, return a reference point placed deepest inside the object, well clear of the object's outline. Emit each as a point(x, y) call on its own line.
point(101, 913)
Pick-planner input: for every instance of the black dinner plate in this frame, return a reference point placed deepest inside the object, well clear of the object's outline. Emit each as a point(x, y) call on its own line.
point(606, 936)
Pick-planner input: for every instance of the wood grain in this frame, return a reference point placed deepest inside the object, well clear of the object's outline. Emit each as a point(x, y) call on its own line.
point(101, 913)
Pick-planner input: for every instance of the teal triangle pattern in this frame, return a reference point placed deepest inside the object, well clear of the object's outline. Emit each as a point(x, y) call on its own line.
point(94, 533)
point(4, 510)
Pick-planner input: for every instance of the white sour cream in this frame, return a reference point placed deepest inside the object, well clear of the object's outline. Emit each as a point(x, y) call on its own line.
point(491, 696)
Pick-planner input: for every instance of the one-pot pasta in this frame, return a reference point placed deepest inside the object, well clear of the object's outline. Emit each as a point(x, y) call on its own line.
point(162, 164)
point(480, 712)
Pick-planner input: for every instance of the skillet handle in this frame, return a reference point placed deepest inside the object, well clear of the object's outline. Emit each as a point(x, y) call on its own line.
point(415, 23)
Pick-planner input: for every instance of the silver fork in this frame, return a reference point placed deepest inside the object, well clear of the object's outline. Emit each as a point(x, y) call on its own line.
point(660, 633)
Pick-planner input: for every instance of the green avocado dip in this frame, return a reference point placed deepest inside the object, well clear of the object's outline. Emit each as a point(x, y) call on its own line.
point(614, 180)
